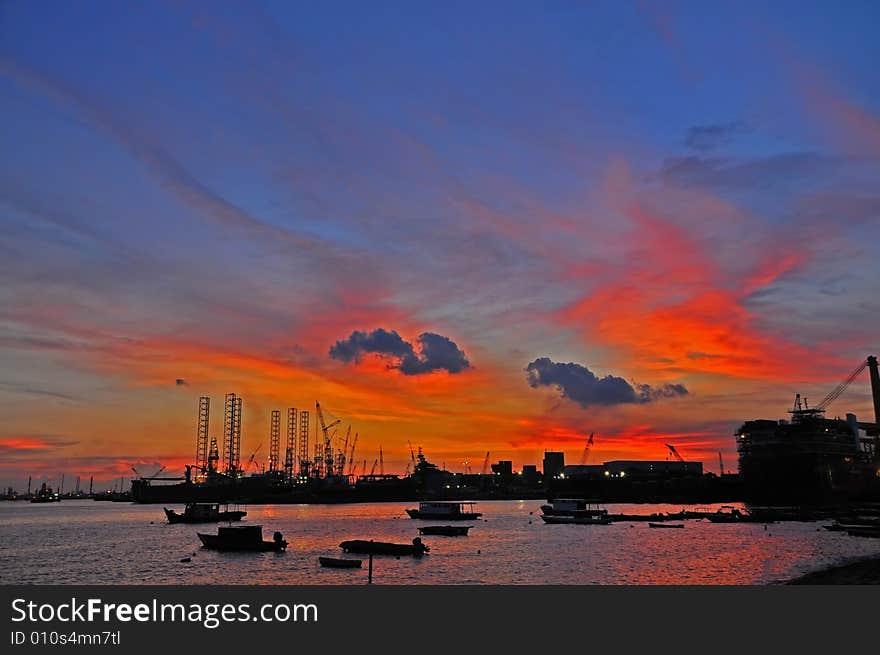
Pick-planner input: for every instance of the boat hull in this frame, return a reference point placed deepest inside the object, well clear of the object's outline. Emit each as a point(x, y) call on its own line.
point(431, 516)
point(575, 520)
point(336, 563)
point(174, 517)
point(382, 548)
point(446, 530)
point(213, 542)
point(665, 525)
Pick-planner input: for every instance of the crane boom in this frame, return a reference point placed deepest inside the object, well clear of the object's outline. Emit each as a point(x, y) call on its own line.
point(328, 443)
point(586, 454)
point(351, 464)
point(675, 452)
point(840, 388)
point(485, 464)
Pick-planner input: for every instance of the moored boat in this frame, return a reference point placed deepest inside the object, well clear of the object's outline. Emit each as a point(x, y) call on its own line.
point(203, 513)
point(366, 547)
point(564, 506)
point(447, 511)
point(665, 525)
point(589, 514)
point(242, 538)
point(446, 530)
point(337, 563)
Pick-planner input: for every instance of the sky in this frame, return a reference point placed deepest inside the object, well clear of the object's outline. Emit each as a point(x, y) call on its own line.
point(470, 226)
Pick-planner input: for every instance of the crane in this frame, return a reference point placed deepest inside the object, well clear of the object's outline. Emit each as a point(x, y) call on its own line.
point(373, 468)
point(485, 464)
point(340, 469)
point(675, 452)
point(840, 388)
point(720, 463)
point(351, 461)
point(253, 454)
point(586, 453)
point(412, 455)
point(328, 443)
point(381, 462)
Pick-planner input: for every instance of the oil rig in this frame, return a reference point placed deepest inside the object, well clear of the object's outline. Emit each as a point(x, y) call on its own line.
point(324, 473)
point(809, 458)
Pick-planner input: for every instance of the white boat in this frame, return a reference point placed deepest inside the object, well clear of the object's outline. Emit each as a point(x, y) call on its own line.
point(445, 511)
point(591, 514)
point(569, 507)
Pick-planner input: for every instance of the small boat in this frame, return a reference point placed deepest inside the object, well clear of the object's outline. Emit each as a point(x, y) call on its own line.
point(444, 511)
point(446, 530)
point(665, 525)
point(203, 513)
point(729, 514)
point(564, 507)
point(365, 547)
point(336, 563)
point(591, 514)
point(242, 538)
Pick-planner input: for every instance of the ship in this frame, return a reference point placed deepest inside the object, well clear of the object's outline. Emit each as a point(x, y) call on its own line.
point(810, 458)
point(46, 495)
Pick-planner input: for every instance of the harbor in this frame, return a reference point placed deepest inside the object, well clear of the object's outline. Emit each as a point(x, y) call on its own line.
point(99, 543)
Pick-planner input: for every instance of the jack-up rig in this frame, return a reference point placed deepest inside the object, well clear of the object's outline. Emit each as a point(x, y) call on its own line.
point(217, 475)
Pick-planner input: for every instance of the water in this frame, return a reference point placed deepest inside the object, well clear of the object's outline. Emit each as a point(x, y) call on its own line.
point(86, 542)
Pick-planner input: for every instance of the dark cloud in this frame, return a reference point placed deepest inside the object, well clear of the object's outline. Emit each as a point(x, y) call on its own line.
point(763, 172)
point(580, 384)
point(712, 135)
point(378, 341)
point(436, 352)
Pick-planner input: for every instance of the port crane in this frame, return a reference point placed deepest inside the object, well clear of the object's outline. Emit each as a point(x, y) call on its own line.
point(340, 464)
point(720, 463)
point(351, 461)
point(146, 477)
point(586, 454)
point(674, 452)
point(485, 467)
point(253, 455)
point(373, 468)
point(328, 438)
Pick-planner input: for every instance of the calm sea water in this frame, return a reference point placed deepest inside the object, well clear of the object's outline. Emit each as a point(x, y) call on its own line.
point(106, 543)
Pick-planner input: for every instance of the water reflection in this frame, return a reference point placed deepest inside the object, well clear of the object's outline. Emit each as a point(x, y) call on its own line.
point(89, 542)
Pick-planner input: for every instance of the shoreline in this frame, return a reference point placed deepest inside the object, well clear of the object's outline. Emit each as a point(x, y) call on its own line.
point(860, 572)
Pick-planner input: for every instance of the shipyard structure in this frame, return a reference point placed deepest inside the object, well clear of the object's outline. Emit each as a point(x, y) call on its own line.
point(810, 458)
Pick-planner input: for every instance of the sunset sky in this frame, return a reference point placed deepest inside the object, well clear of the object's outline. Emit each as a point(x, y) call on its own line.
point(475, 226)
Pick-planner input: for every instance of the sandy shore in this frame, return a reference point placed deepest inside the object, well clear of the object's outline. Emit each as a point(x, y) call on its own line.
point(865, 571)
